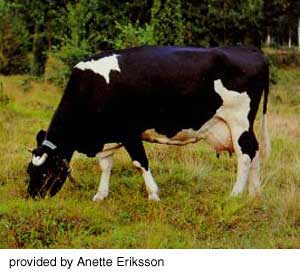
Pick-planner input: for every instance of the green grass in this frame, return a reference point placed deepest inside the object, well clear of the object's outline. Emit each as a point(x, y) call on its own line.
point(195, 210)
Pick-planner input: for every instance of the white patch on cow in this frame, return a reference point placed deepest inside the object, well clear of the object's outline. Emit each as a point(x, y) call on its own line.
point(39, 160)
point(151, 186)
point(102, 66)
point(235, 108)
point(105, 158)
point(234, 111)
point(254, 181)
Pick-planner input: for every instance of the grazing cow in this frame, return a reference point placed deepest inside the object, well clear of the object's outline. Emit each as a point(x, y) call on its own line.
point(160, 94)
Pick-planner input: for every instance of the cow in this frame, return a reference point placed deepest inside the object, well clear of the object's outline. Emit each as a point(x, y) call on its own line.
point(160, 94)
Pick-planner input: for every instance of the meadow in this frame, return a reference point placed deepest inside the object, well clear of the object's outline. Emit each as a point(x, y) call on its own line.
point(195, 210)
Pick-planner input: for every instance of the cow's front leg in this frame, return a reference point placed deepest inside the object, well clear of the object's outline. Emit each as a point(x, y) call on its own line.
point(137, 153)
point(105, 162)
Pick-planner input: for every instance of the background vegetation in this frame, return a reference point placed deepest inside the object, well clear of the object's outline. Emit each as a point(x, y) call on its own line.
point(31, 30)
point(41, 40)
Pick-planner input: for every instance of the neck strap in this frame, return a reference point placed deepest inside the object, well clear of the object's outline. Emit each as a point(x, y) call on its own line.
point(49, 144)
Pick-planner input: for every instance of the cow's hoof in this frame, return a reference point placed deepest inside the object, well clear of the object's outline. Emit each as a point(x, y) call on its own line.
point(254, 192)
point(99, 197)
point(153, 197)
point(235, 193)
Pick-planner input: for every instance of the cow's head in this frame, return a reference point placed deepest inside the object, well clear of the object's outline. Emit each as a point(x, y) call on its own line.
point(47, 170)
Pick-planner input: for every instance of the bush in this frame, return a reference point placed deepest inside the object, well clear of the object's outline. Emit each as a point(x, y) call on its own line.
point(56, 71)
point(4, 99)
point(13, 56)
point(132, 35)
point(71, 54)
point(273, 72)
point(284, 58)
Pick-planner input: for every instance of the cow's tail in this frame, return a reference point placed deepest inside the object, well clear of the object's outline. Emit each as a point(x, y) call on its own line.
point(265, 145)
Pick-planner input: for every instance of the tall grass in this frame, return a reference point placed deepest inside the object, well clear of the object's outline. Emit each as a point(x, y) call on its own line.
point(195, 211)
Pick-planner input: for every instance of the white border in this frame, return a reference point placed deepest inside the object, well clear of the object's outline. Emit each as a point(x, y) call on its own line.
point(177, 262)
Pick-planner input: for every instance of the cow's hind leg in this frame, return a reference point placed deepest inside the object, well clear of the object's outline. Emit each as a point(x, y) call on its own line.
point(254, 179)
point(246, 147)
point(105, 162)
point(137, 153)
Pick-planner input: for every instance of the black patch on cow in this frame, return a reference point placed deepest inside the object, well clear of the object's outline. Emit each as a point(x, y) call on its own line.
point(136, 151)
point(248, 143)
point(40, 137)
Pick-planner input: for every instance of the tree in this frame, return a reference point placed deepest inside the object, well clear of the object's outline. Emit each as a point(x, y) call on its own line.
point(14, 39)
point(196, 31)
point(168, 22)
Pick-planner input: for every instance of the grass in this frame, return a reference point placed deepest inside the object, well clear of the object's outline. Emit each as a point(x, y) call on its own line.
point(195, 211)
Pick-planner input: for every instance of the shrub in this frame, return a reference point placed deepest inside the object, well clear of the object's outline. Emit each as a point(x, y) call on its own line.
point(132, 35)
point(4, 99)
point(56, 71)
point(13, 56)
point(284, 58)
point(71, 54)
point(273, 75)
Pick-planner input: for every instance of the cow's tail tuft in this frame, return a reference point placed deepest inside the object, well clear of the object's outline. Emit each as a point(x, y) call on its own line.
point(265, 144)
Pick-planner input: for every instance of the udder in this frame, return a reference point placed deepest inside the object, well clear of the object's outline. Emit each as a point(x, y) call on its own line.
point(217, 133)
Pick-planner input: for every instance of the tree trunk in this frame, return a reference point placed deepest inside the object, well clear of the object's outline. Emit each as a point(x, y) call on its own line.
point(268, 40)
point(290, 38)
point(49, 36)
point(299, 34)
point(39, 52)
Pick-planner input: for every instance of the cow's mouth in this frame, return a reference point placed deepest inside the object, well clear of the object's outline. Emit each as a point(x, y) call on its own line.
point(50, 186)
point(50, 182)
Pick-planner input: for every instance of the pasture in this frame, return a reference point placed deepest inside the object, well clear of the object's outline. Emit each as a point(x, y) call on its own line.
point(195, 210)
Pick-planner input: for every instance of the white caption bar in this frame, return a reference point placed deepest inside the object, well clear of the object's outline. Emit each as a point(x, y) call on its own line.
point(150, 262)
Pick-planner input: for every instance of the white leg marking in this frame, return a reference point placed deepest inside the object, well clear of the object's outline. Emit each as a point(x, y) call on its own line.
point(254, 181)
point(243, 168)
point(105, 163)
point(151, 186)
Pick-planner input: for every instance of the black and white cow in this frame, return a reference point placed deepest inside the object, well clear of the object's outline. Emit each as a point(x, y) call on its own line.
point(167, 95)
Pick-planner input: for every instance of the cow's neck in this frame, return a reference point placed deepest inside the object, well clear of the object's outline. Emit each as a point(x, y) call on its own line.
point(71, 128)
point(60, 132)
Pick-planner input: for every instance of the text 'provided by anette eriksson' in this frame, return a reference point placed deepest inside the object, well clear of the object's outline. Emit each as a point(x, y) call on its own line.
point(82, 262)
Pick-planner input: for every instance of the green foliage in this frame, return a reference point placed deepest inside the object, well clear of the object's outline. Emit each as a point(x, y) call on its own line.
point(273, 73)
point(167, 21)
point(39, 54)
point(13, 43)
point(76, 46)
point(281, 58)
point(71, 53)
point(232, 22)
point(4, 99)
point(72, 30)
point(132, 35)
point(56, 71)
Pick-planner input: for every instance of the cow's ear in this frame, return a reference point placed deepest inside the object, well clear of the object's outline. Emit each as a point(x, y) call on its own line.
point(40, 137)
